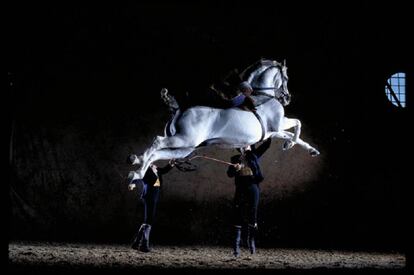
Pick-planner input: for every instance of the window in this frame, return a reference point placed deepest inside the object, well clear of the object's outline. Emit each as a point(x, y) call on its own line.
point(395, 89)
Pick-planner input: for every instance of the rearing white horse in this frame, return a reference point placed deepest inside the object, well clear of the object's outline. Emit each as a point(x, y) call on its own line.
point(229, 128)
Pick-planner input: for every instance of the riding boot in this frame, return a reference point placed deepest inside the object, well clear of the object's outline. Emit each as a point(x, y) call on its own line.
point(138, 237)
point(251, 233)
point(144, 243)
point(237, 238)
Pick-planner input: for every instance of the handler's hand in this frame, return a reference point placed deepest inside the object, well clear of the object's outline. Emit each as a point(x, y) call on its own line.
point(131, 186)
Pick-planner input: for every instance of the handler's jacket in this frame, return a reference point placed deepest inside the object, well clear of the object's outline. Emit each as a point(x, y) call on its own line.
point(251, 173)
point(152, 180)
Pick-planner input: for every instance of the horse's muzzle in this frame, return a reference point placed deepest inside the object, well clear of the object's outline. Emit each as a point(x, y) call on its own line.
point(286, 99)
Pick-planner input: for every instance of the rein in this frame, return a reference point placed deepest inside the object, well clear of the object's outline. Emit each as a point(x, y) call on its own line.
point(274, 89)
point(278, 98)
point(185, 165)
point(214, 159)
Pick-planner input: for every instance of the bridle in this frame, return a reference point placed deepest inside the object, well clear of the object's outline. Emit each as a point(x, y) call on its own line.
point(278, 93)
point(281, 91)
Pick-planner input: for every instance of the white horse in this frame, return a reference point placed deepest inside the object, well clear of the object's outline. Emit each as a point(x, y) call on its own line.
point(229, 128)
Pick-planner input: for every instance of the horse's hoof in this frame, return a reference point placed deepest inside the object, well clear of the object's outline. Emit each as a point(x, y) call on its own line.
point(314, 152)
point(133, 159)
point(288, 144)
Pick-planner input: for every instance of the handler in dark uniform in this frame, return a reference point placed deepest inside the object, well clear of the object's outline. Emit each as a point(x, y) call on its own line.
point(152, 183)
point(247, 175)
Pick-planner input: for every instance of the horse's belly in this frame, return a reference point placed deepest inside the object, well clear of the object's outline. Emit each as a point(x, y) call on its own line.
point(241, 127)
point(215, 126)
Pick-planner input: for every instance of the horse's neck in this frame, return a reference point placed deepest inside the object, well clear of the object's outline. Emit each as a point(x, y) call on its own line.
point(270, 112)
point(261, 99)
point(255, 74)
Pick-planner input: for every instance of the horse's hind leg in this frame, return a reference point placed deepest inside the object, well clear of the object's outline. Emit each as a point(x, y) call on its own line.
point(158, 143)
point(168, 153)
point(174, 142)
point(135, 160)
point(162, 154)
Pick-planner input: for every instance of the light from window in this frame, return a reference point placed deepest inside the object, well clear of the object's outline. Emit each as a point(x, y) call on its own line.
point(395, 89)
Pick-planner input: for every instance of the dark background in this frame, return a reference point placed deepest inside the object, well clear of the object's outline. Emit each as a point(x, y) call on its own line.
point(84, 84)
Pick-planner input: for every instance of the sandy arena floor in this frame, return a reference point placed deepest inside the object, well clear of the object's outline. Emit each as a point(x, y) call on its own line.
point(24, 256)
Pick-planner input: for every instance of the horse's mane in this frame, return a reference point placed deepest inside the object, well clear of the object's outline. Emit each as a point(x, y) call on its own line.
point(245, 75)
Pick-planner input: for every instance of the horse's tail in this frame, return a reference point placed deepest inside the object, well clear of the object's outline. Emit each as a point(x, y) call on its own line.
point(170, 101)
point(170, 128)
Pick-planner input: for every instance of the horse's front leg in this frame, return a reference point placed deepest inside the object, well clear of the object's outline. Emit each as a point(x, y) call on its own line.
point(288, 136)
point(291, 123)
point(282, 135)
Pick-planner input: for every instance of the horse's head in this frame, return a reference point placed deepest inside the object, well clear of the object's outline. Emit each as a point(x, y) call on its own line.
point(282, 93)
point(269, 77)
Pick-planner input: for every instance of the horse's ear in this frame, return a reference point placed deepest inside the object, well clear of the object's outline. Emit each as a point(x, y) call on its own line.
point(284, 62)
